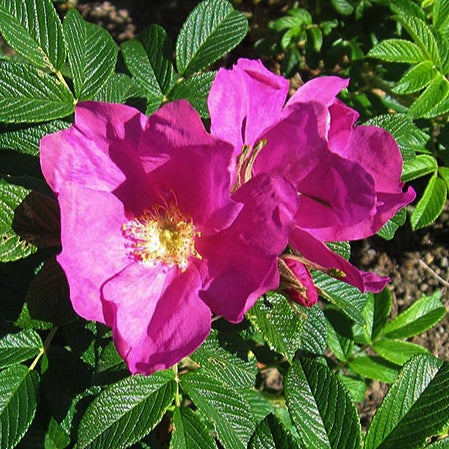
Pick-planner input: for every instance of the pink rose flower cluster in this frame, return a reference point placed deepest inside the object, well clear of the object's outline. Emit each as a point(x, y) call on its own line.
point(163, 223)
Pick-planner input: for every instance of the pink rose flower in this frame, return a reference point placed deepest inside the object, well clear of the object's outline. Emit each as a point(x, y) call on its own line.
point(348, 177)
point(152, 240)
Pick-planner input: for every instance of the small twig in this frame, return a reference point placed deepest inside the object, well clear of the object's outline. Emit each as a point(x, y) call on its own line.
point(433, 273)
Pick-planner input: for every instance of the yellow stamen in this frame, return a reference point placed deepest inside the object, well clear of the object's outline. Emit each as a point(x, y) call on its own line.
point(162, 236)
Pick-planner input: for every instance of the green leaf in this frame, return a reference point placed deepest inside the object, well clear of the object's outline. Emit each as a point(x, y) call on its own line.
point(441, 444)
point(422, 165)
point(416, 78)
point(314, 331)
point(415, 408)
point(407, 7)
point(423, 37)
point(346, 297)
point(224, 406)
point(382, 303)
point(19, 347)
point(196, 90)
point(435, 95)
point(261, 406)
point(278, 323)
point(419, 317)
point(124, 413)
point(345, 7)
point(440, 16)
point(408, 136)
point(397, 351)
point(444, 173)
point(225, 357)
point(374, 367)
point(397, 50)
point(270, 434)
point(34, 30)
point(212, 29)
point(189, 432)
point(29, 95)
point(356, 387)
point(26, 138)
point(159, 50)
point(92, 54)
point(430, 205)
point(321, 407)
point(13, 246)
point(339, 335)
point(139, 65)
point(18, 400)
point(116, 89)
point(56, 437)
point(388, 230)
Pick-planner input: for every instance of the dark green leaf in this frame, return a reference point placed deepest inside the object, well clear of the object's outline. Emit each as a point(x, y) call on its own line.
point(225, 357)
point(92, 54)
point(314, 331)
point(415, 408)
point(419, 317)
point(127, 411)
point(430, 205)
point(422, 165)
point(30, 95)
point(224, 406)
point(382, 303)
point(321, 407)
point(18, 400)
point(356, 387)
point(196, 90)
point(444, 173)
point(189, 432)
point(270, 434)
point(374, 367)
point(56, 437)
point(397, 50)
point(13, 246)
point(388, 230)
point(397, 351)
point(346, 297)
point(34, 30)
point(116, 89)
point(279, 324)
point(26, 138)
point(159, 50)
point(19, 347)
point(212, 29)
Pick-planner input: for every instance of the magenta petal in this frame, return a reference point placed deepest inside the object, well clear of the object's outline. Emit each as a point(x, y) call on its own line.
point(240, 263)
point(323, 89)
point(244, 101)
point(156, 316)
point(89, 153)
point(93, 247)
point(318, 253)
point(188, 166)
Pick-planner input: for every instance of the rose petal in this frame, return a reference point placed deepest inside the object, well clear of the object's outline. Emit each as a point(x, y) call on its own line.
point(318, 253)
point(91, 232)
point(156, 315)
point(98, 151)
point(244, 101)
point(187, 165)
point(240, 264)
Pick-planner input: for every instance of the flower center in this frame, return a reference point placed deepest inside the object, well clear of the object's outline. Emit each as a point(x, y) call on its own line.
point(161, 236)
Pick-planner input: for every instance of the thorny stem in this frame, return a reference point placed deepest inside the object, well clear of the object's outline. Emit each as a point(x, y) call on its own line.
point(44, 347)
